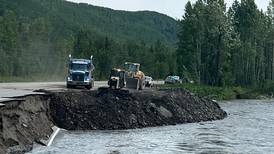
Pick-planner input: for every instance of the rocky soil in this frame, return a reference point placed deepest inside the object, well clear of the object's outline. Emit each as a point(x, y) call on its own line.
point(24, 121)
point(29, 119)
point(121, 109)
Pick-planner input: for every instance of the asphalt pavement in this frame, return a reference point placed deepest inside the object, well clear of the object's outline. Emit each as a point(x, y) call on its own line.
point(9, 90)
point(15, 89)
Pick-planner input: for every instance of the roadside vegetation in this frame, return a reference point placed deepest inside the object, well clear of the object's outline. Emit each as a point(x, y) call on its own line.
point(266, 90)
point(212, 92)
point(226, 47)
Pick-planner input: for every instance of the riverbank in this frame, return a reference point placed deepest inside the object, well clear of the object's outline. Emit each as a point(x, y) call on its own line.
point(226, 93)
point(23, 121)
point(247, 129)
point(29, 119)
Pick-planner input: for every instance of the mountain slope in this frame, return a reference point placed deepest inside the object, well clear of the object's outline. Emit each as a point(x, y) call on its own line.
point(68, 17)
point(36, 37)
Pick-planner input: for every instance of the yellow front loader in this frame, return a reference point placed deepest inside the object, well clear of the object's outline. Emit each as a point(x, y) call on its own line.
point(135, 79)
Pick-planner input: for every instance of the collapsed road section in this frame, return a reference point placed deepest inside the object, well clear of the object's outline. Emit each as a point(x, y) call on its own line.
point(23, 121)
point(30, 118)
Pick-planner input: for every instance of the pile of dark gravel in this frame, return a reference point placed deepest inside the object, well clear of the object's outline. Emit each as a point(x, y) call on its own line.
point(121, 109)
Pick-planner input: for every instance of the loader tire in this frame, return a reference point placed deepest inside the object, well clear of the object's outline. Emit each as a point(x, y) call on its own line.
point(89, 87)
point(69, 86)
point(142, 84)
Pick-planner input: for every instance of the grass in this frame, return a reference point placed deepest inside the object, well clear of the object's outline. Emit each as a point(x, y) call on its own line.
point(216, 93)
point(266, 90)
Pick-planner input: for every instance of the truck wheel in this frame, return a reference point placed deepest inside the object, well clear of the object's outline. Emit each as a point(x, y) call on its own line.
point(69, 86)
point(88, 87)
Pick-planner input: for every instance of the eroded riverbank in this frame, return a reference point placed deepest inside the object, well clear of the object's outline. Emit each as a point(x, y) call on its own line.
point(30, 119)
point(248, 128)
point(23, 121)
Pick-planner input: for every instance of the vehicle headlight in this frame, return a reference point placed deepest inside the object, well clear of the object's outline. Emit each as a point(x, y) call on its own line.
point(87, 78)
point(69, 78)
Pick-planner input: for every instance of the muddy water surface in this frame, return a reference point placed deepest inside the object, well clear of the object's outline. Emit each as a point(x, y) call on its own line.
point(249, 128)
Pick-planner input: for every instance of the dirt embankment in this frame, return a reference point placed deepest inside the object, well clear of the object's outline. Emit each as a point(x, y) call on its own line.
point(119, 109)
point(30, 118)
point(24, 122)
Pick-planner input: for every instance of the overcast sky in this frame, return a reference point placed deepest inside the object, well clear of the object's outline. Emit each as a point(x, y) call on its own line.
point(173, 8)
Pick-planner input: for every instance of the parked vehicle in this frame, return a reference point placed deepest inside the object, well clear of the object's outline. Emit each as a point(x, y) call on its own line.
point(80, 73)
point(148, 81)
point(173, 80)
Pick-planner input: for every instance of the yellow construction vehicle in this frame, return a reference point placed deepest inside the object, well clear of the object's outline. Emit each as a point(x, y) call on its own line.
point(117, 79)
point(135, 79)
point(130, 77)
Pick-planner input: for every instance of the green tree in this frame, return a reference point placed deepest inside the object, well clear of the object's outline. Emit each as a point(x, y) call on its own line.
point(205, 42)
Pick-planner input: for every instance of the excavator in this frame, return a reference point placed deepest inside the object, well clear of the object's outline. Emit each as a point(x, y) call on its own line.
point(130, 77)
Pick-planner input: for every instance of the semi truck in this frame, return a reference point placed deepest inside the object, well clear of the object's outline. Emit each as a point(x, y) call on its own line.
point(80, 73)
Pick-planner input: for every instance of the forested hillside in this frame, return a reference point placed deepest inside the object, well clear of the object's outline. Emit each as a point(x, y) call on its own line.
point(219, 46)
point(37, 35)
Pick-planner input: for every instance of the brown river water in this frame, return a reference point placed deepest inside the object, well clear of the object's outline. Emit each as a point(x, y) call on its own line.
point(249, 128)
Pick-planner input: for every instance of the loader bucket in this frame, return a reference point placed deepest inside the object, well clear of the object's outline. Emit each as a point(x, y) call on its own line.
point(132, 83)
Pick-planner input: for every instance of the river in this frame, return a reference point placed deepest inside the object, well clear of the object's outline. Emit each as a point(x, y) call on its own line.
point(247, 129)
